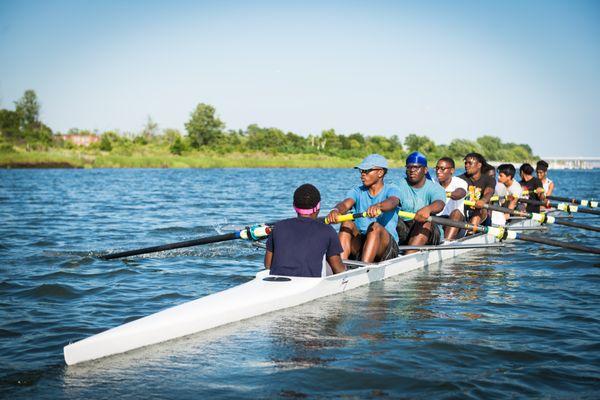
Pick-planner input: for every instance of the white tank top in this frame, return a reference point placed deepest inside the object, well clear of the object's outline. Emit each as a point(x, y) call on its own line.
point(546, 184)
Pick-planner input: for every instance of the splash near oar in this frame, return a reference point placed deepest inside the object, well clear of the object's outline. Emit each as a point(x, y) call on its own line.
point(502, 233)
point(250, 233)
point(542, 218)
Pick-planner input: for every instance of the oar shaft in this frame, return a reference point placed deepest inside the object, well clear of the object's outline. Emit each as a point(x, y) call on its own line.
point(552, 242)
point(561, 206)
point(171, 246)
point(583, 202)
point(577, 225)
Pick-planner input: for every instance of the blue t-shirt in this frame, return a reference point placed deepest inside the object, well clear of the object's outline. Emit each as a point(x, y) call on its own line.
point(412, 199)
point(363, 200)
point(298, 246)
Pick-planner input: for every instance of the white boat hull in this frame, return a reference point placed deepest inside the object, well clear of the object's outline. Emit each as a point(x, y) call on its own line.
point(261, 295)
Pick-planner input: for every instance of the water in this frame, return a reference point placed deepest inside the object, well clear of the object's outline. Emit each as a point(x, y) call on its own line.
point(522, 323)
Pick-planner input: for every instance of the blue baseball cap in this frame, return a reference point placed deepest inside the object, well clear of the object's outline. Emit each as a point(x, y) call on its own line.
point(373, 161)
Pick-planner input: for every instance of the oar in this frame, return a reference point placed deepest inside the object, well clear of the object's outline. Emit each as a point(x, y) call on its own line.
point(503, 233)
point(347, 217)
point(560, 206)
point(541, 218)
point(250, 233)
point(583, 203)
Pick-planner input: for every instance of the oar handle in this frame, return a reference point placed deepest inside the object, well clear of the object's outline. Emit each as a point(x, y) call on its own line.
point(349, 217)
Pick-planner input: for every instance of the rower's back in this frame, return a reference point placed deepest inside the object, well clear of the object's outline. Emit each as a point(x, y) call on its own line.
point(299, 246)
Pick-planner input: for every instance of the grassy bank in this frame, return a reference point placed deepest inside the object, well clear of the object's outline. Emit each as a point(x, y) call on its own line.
point(154, 158)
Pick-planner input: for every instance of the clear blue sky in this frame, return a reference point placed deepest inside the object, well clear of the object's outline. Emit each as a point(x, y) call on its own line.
point(526, 71)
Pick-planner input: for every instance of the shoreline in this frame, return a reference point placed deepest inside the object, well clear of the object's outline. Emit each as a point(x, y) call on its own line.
point(74, 159)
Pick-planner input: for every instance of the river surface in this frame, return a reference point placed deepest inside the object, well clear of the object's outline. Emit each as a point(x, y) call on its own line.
point(524, 323)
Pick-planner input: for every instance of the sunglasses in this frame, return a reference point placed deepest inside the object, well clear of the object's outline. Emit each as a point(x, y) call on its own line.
point(413, 167)
point(368, 171)
point(442, 168)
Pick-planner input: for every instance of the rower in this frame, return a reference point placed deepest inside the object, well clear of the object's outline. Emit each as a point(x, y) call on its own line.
point(456, 190)
point(533, 185)
point(373, 238)
point(481, 186)
point(420, 195)
point(299, 246)
point(541, 169)
point(507, 189)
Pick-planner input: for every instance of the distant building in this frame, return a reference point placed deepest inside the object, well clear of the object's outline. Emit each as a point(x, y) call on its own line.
point(572, 162)
point(80, 140)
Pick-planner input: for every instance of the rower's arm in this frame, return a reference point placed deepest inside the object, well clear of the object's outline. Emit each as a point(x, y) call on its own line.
point(436, 207)
point(488, 192)
point(458, 193)
point(424, 213)
point(389, 204)
point(336, 264)
point(340, 208)
point(268, 259)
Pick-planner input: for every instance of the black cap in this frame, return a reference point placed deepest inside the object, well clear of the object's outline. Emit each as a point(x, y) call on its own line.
point(306, 197)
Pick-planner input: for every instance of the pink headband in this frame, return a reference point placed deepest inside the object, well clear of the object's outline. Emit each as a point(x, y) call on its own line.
point(308, 211)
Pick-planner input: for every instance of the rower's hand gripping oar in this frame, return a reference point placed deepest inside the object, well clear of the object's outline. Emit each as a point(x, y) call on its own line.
point(542, 218)
point(255, 232)
point(349, 217)
point(502, 233)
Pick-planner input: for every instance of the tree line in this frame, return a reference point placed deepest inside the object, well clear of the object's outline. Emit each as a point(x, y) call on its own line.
point(205, 131)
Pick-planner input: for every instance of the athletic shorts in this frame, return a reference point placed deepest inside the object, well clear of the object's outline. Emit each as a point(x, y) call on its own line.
point(405, 230)
point(391, 251)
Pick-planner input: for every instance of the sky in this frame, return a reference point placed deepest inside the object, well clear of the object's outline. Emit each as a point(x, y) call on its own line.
point(525, 71)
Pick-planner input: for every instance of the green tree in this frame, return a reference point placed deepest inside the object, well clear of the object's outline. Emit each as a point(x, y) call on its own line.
point(105, 144)
point(28, 109)
point(490, 147)
point(171, 135)
point(419, 143)
point(9, 124)
point(460, 147)
point(204, 128)
point(177, 147)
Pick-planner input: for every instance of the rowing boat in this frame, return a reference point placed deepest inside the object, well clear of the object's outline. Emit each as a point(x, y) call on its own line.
point(263, 294)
